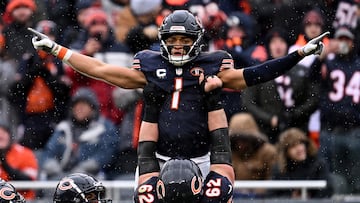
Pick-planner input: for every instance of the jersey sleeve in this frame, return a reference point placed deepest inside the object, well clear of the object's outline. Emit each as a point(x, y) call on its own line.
point(217, 188)
point(227, 61)
point(219, 60)
point(146, 192)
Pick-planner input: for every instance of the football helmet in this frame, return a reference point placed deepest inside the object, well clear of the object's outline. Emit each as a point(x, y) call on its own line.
point(8, 193)
point(180, 181)
point(79, 188)
point(184, 23)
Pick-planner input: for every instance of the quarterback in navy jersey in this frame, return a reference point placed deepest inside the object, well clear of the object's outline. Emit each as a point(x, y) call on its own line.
point(183, 128)
point(188, 123)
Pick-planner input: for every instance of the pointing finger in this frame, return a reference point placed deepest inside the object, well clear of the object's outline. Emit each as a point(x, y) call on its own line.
point(320, 37)
point(38, 34)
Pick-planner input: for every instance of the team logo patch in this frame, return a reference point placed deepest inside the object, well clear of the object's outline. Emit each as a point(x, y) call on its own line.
point(196, 71)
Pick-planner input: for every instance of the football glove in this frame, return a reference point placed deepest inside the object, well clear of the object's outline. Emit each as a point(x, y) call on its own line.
point(42, 42)
point(212, 86)
point(314, 46)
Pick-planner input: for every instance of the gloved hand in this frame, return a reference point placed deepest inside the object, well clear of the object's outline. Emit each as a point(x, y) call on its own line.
point(212, 86)
point(42, 42)
point(314, 46)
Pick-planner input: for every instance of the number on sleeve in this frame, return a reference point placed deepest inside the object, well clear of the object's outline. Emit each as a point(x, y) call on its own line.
point(147, 197)
point(213, 188)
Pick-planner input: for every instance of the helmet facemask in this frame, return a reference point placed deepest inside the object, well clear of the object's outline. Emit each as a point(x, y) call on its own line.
point(191, 52)
point(181, 22)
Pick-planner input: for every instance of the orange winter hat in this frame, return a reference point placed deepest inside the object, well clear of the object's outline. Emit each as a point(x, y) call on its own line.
point(12, 5)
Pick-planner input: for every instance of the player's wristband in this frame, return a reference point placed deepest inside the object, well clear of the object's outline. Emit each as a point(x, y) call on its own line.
point(61, 52)
point(151, 113)
point(147, 161)
point(220, 147)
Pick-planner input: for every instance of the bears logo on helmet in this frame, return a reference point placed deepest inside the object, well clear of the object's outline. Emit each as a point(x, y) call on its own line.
point(8, 193)
point(180, 180)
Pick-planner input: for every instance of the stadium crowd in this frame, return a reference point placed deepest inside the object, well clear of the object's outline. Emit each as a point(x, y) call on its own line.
point(304, 125)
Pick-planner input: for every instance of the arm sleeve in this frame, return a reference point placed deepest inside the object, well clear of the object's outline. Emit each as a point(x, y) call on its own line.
point(271, 69)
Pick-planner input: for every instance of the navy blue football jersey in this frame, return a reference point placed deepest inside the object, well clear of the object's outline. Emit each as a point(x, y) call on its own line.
point(183, 122)
point(340, 102)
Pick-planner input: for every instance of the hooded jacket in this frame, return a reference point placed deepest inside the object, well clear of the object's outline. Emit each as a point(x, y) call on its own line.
point(81, 146)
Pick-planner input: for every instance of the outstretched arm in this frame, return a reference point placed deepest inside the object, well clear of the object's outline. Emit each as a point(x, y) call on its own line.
point(242, 78)
point(120, 76)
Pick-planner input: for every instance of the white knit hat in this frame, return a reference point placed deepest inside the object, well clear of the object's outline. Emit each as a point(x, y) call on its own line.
point(140, 7)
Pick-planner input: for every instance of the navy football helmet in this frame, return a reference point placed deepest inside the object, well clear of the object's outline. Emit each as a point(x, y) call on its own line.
point(180, 181)
point(184, 23)
point(80, 188)
point(8, 193)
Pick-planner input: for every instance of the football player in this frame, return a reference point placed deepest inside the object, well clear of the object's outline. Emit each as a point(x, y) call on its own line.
point(80, 188)
point(181, 181)
point(182, 128)
point(8, 193)
point(218, 185)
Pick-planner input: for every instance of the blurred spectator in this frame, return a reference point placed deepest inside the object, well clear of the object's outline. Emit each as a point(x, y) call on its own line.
point(288, 14)
point(84, 142)
point(298, 160)
point(286, 101)
point(111, 7)
point(137, 13)
point(130, 101)
point(339, 110)
point(75, 27)
point(311, 26)
point(212, 18)
point(235, 5)
point(63, 13)
point(17, 37)
point(253, 157)
point(239, 42)
point(8, 69)
point(17, 162)
point(40, 95)
point(98, 41)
